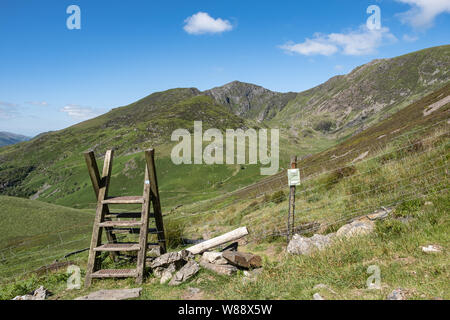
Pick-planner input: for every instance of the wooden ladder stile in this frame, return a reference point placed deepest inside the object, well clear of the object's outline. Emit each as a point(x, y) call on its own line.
point(104, 219)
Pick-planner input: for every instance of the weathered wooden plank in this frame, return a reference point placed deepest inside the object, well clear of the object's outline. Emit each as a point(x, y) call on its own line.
point(116, 223)
point(214, 242)
point(124, 200)
point(118, 247)
point(115, 273)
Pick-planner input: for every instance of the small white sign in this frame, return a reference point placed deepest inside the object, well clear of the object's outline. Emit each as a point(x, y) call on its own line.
point(293, 177)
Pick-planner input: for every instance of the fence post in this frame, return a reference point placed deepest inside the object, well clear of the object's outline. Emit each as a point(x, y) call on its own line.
point(290, 226)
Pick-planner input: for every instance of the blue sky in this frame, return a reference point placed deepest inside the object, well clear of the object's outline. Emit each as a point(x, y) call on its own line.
point(52, 77)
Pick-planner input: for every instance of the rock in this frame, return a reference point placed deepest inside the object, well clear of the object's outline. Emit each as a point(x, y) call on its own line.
point(115, 294)
point(251, 275)
point(317, 296)
point(179, 258)
point(383, 213)
point(356, 228)
point(214, 257)
point(303, 245)
point(243, 259)
point(192, 294)
point(38, 294)
point(185, 273)
point(154, 251)
point(428, 203)
point(397, 294)
point(224, 269)
point(166, 275)
point(432, 248)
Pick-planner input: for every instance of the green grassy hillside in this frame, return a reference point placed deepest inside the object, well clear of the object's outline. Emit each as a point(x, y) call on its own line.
point(35, 233)
point(368, 94)
point(407, 174)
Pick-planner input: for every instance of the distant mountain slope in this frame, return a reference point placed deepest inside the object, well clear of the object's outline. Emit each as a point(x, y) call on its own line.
point(369, 93)
point(7, 138)
point(249, 100)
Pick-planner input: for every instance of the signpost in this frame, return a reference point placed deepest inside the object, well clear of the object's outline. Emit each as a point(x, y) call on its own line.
point(293, 180)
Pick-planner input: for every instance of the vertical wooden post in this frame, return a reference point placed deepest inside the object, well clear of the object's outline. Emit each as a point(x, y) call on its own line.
point(99, 215)
point(154, 194)
point(91, 163)
point(290, 226)
point(144, 227)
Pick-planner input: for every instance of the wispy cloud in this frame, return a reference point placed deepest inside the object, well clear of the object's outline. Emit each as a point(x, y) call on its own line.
point(423, 12)
point(78, 112)
point(8, 110)
point(202, 22)
point(353, 43)
point(8, 104)
point(38, 103)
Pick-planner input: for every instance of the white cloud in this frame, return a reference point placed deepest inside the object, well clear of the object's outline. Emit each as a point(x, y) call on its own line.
point(38, 103)
point(202, 22)
point(353, 43)
point(78, 112)
point(311, 47)
point(423, 12)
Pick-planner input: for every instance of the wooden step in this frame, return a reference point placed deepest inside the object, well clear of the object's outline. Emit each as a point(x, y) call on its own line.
point(119, 247)
point(133, 230)
point(115, 273)
point(124, 200)
point(106, 224)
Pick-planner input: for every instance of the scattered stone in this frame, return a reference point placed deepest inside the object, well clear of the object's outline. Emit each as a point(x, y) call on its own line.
point(356, 228)
point(397, 294)
point(432, 248)
point(114, 294)
point(214, 257)
point(154, 251)
point(185, 273)
point(405, 220)
point(166, 275)
point(38, 294)
point(243, 259)
point(317, 296)
point(225, 269)
point(428, 203)
point(179, 258)
point(383, 213)
point(251, 275)
point(303, 245)
point(192, 294)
